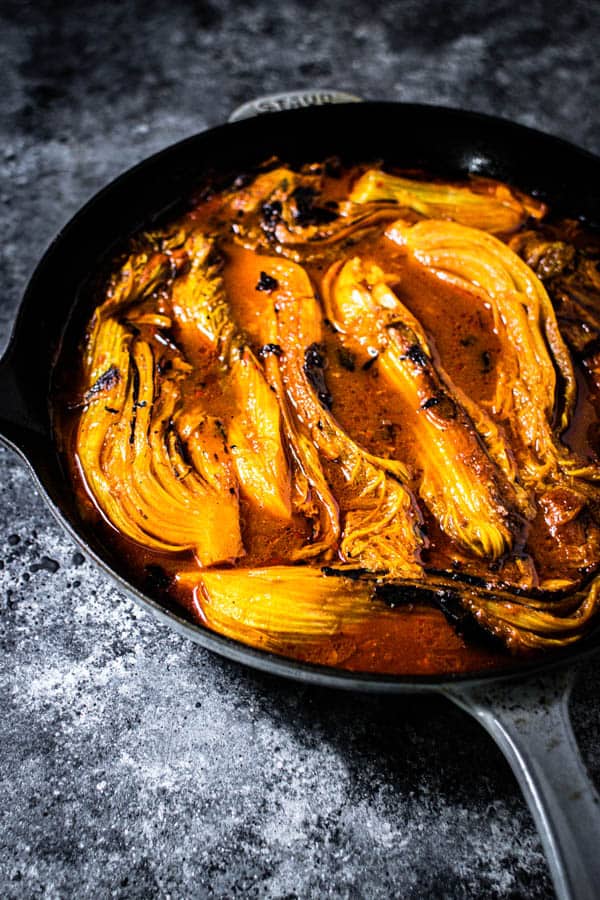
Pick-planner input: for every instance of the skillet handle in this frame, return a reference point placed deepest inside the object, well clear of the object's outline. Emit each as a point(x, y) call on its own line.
point(290, 100)
point(529, 721)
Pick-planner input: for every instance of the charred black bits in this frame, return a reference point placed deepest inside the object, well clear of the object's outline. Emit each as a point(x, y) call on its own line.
point(269, 349)
point(304, 201)
point(388, 429)
point(136, 394)
point(448, 601)
point(486, 361)
point(314, 365)
point(271, 214)
point(445, 408)
point(462, 620)
point(215, 258)
point(394, 595)
point(450, 604)
point(352, 574)
point(346, 359)
point(267, 283)
point(164, 365)
point(417, 355)
point(305, 212)
point(106, 382)
point(181, 448)
point(370, 362)
point(313, 356)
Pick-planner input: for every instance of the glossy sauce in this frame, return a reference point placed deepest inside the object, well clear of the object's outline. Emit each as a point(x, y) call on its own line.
point(415, 639)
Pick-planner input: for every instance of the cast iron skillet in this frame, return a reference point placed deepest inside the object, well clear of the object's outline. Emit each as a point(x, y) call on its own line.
point(526, 713)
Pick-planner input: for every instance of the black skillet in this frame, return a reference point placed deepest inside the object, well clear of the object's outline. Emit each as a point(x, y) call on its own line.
point(526, 711)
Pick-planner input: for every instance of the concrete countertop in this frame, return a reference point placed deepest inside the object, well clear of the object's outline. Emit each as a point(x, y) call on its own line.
point(132, 763)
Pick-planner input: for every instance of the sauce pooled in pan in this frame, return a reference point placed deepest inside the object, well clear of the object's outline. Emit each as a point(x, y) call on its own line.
point(351, 416)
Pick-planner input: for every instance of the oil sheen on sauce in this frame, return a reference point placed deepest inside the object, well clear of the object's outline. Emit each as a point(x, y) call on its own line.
point(417, 639)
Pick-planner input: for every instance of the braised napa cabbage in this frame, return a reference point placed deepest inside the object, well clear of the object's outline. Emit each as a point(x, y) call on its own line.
point(494, 207)
point(266, 410)
point(281, 606)
point(526, 398)
point(283, 210)
point(272, 606)
point(205, 323)
point(468, 495)
point(380, 520)
point(135, 464)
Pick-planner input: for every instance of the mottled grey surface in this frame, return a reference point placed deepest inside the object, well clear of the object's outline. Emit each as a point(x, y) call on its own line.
point(134, 764)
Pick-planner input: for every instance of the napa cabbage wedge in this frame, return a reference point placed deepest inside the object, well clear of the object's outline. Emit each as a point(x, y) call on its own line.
point(490, 206)
point(283, 607)
point(255, 439)
point(279, 605)
point(207, 330)
point(288, 211)
point(312, 496)
point(531, 622)
point(473, 499)
point(285, 211)
point(141, 273)
point(201, 313)
point(527, 397)
point(379, 517)
point(135, 465)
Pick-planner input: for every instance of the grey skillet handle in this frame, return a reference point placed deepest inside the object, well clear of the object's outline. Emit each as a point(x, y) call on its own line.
point(529, 720)
point(290, 100)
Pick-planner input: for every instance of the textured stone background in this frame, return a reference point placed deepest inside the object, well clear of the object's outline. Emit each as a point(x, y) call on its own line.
point(134, 764)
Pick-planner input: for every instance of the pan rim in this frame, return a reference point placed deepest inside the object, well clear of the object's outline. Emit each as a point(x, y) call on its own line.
point(256, 658)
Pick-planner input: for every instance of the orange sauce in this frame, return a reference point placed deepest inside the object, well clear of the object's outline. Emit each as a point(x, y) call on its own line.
point(417, 639)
